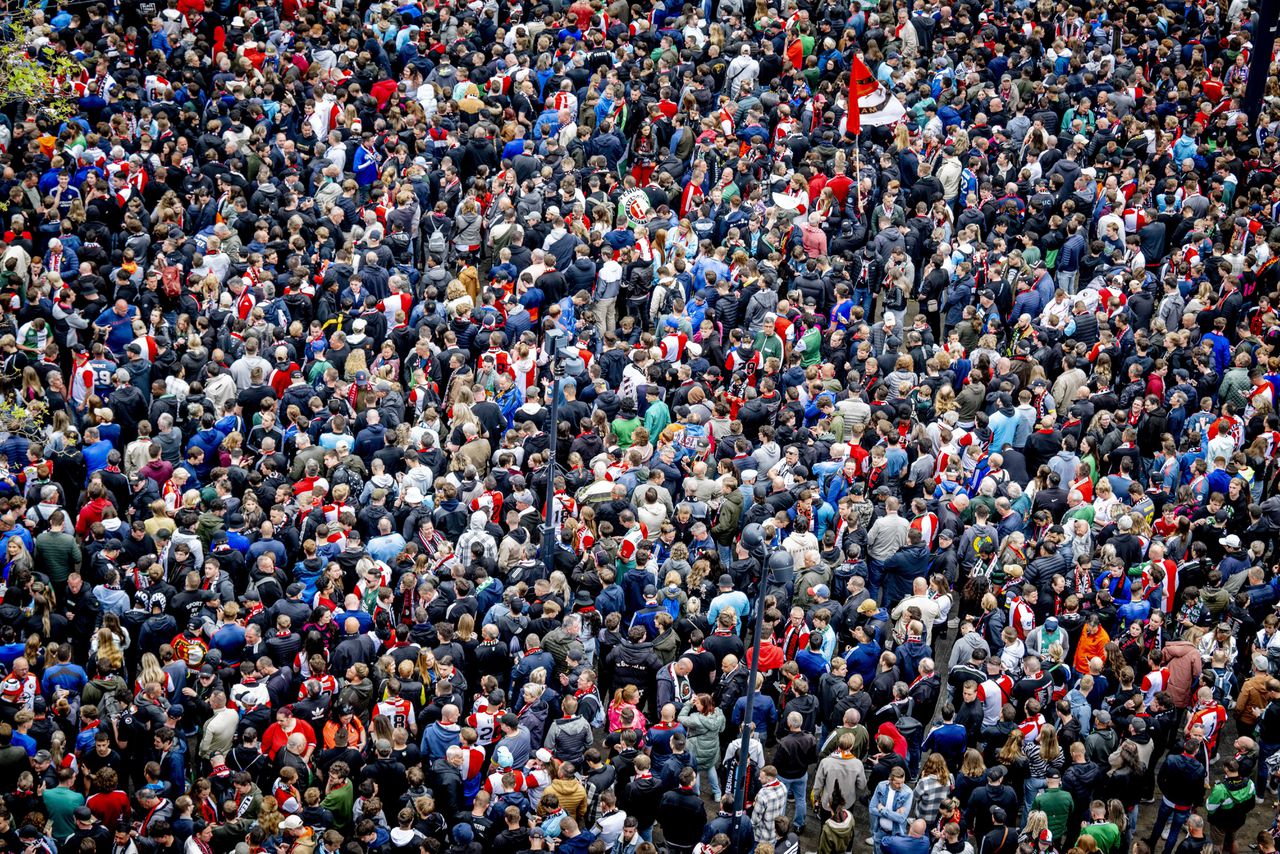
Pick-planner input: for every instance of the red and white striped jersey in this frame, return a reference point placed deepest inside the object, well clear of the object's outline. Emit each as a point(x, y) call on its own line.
point(1021, 617)
point(631, 542)
point(1153, 683)
point(927, 525)
point(396, 302)
point(1030, 728)
point(1211, 718)
point(673, 347)
point(993, 694)
point(396, 709)
point(245, 303)
point(485, 723)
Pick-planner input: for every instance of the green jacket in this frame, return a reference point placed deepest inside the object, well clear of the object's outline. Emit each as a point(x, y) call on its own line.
point(57, 554)
point(656, 418)
point(1229, 803)
point(341, 802)
point(1057, 805)
point(1106, 834)
point(725, 529)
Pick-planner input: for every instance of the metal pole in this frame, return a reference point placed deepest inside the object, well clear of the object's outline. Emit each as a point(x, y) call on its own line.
point(548, 523)
point(744, 749)
point(1264, 41)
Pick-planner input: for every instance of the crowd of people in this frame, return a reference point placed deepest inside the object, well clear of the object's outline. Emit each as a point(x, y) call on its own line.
point(409, 412)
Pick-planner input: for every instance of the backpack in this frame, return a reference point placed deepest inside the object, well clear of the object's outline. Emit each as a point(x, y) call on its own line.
point(729, 774)
point(171, 280)
point(520, 800)
point(436, 243)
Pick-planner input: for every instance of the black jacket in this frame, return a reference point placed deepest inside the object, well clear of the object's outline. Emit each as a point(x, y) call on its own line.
point(795, 753)
point(1181, 779)
point(684, 817)
point(977, 813)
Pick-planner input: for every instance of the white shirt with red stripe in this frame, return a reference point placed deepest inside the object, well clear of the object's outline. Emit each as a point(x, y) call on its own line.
point(396, 709)
point(631, 542)
point(1153, 683)
point(1211, 717)
point(994, 693)
point(1021, 617)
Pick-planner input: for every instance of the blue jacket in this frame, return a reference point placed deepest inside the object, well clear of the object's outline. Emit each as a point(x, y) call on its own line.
point(438, 738)
point(366, 166)
point(1071, 253)
point(905, 845)
point(764, 712)
point(895, 816)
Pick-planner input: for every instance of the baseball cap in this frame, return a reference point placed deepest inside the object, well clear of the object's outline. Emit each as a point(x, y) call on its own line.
point(293, 822)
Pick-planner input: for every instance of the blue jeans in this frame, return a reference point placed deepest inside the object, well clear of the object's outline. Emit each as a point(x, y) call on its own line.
point(867, 300)
point(713, 778)
point(1175, 818)
point(1033, 787)
point(1265, 749)
point(875, 574)
point(797, 788)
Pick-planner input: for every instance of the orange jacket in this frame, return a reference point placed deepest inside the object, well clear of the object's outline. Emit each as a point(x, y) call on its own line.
point(1091, 647)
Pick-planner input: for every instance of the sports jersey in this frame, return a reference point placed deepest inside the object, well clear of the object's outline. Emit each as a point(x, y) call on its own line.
point(102, 372)
point(994, 693)
point(1153, 683)
point(396, 709)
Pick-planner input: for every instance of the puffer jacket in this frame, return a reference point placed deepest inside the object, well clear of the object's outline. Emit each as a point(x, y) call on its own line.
point(1183, 661)
point(568, 739)
point(572, 796)
point(703, 732)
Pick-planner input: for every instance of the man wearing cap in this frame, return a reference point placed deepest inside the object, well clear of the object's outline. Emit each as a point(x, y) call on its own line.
point(1045, 636)
point(1056, 803)
point(978, 813)
point(86, 827)
point(728, 597)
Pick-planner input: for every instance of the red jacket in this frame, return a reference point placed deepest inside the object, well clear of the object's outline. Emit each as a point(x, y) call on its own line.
point(90, 514)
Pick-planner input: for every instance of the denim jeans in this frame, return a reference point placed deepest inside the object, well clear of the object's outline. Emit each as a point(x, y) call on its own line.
point(1265, 749)
point(1175, 818)
point(867, 300)
point(1033, 787)
point(797, 788)
point(713, 779)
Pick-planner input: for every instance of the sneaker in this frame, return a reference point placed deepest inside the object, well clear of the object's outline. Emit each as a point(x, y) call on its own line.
point(1259, 800)
point(1143, 801)
point(1164, 834)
